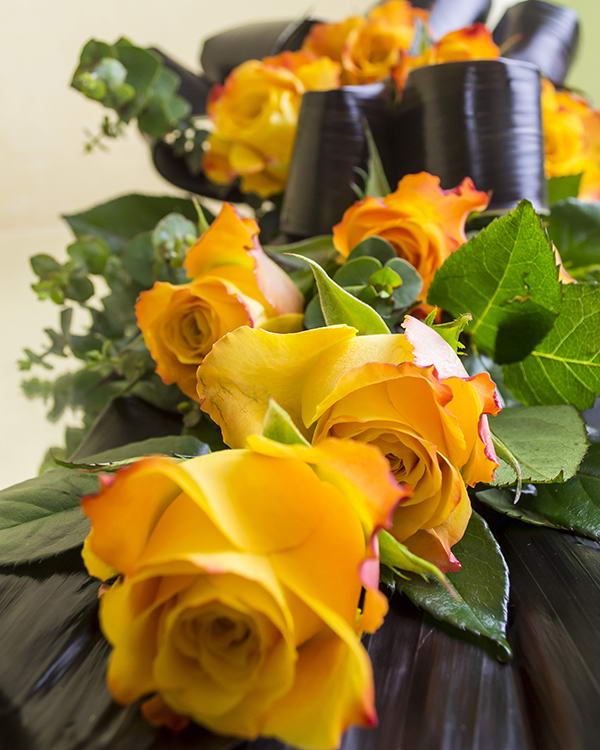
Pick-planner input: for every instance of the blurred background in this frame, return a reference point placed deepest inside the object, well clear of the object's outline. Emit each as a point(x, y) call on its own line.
point(45, 172)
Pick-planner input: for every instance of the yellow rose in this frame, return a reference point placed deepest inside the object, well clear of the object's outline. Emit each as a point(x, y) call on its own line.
point(470, 43)
point(240, 577)
point(368, 48)
point(233, 284)
point(407, 394)
point(423, 223)
point(571, 138)
point(255, 114)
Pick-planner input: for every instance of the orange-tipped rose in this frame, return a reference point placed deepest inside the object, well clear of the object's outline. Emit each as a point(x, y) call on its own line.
point(255, 114)
point(368, 48)
point(407, 394)
point(423, 223)
point(240, 579)
point(471, 43)
point(233, 284)
point(572, 139)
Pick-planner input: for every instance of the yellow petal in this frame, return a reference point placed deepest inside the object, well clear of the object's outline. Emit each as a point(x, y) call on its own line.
point(250, 366)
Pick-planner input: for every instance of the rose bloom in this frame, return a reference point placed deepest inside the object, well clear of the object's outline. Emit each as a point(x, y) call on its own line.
point(240, 577)
point(470, 43)
point(407, 394)
point(423, 223)
point(572, 138)
point(368, 48)
point(233, 283)
point(255, 114)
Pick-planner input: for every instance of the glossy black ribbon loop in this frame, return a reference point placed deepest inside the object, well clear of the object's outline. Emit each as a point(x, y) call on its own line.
point(330, 147)
point(478, 119)
point(223, 52)
point(449, 15)
point(540, 33)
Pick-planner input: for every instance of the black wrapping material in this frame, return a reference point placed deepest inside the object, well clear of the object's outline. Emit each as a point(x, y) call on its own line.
point(479, 119)
point(222, 52)
point(330, 146)
point(194, 88)
point(541, 33)
point(448, 15)
point(436, 690)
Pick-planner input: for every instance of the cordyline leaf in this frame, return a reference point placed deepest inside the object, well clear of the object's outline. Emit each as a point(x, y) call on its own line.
point(507, 278)
point(564, 368)
point(573, 505)
point(482, 585)
point(549, 442)
point(41, 517)
point(279, 426)
point(339, 306)
point(376, 184)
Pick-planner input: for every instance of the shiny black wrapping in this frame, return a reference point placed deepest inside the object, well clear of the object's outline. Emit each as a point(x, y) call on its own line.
point(330, 148)
point(448, 15)
point(541, 33)
point(478, 119)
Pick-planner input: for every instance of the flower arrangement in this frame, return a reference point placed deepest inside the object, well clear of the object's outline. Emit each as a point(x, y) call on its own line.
point(351, 404)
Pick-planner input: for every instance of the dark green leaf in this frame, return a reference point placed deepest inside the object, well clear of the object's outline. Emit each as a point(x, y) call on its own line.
point(44, 265)
point(319, 249)
point(313, 315)
point(506, 277)
point(574, 227)
point(375, 247)
point(119, 220)
point(356, 271)
point(565, 367)
point(138, 259)
point(549, 442)
point(561, 188)
point(573, 505)
point(41, 517)
point(482, 585)
point(376, 183)
point(90, 252)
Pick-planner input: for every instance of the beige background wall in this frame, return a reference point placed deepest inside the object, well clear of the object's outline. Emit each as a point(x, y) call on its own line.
point(44, 172)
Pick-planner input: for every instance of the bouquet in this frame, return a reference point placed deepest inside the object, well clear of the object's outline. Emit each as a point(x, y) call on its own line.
point(366, 339)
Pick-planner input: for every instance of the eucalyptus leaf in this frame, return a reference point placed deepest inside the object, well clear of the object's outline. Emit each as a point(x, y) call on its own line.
point(482, 585)
point(503, 501)
point(119, 220)
point(340, 307)
point(564, 368)
point(408, 292)
point(41, 517)
point(549, 442)
point(357, 271)
point(375, 247)
point(507, 278)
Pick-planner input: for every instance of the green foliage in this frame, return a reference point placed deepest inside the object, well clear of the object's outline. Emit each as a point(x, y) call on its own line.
point(573, 505)
point(561, 188)
point(452, 330)
point(574, 227)
point(506, 277)
point(121, 248)
point(482, 586)
point(339, 306)
point(376, 182)
point(134, 84)
point(278, 426)
point(399, 559)
point(549, 442)
point(564, 368)
point(41, 517)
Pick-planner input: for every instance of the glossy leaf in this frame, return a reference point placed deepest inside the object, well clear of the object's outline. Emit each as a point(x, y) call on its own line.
point(503, 501)
point(506, 277)
point(561, 188)
point(41, 517)
point(564, 368)
point(549, 442)
point(574, 227)
point(482, 585)
point(340, 307)
point(119, 220)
